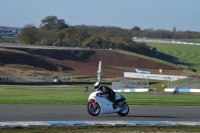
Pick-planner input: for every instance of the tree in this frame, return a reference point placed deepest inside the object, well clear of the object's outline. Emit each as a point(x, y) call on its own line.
point(16, 32)
point(147, 33)
point(174, 32)
point(29, 35)
point(136, 28)
point(52, 22)
point(61, 24)
point(136, 31)
point(105, 35)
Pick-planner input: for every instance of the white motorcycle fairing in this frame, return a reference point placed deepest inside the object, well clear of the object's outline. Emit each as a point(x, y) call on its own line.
point(105, 104)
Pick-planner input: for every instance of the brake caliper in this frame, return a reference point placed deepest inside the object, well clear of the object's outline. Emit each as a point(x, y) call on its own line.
point(93, 102)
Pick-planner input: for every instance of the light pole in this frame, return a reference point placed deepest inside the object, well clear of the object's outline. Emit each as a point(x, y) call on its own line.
point(99, 72)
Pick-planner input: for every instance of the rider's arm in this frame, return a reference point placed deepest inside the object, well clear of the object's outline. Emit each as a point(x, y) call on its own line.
point(104, 91)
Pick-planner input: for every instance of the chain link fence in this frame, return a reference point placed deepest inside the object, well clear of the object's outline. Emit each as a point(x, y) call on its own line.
point(137, 83)
point(186, 83)
point(193, 83)
point(39, 78)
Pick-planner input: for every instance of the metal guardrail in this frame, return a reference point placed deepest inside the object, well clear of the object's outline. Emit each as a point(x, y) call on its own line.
point(38, 78)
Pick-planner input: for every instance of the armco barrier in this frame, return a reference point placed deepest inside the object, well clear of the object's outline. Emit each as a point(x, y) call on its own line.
point(94, 123)
point(182, 90)
point(188, 43)
point(147, 90)
point(132, 90)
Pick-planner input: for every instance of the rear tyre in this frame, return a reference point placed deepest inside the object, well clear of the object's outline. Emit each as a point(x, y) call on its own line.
point(93, 110)
point(124, 110)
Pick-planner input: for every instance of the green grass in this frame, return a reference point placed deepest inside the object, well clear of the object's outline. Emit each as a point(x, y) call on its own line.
point(75, 95)
point(10, 40)
point(42, 95)
point(188, 53)
point(98, 129)
point(190, 40)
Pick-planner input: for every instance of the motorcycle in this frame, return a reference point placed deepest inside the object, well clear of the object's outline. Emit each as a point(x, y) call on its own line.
point(100, 104)
point(175, 91)
point(85, 89)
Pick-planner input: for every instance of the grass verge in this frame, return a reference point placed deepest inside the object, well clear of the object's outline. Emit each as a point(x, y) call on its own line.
point(76, 96)
point(99, 129)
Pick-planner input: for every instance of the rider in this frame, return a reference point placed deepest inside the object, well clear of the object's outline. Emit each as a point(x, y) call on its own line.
point(105, 90)
point(175, 89)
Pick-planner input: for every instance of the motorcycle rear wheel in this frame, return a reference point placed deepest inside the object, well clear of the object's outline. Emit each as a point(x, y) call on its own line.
point(93, 110)
point(124, 110)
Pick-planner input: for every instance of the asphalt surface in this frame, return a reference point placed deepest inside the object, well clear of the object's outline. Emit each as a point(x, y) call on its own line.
point(79, 113)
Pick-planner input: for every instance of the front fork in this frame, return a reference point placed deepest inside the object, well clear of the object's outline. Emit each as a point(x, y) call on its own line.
point(121, 104)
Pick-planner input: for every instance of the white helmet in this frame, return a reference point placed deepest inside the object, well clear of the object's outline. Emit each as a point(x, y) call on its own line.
point(97, 86)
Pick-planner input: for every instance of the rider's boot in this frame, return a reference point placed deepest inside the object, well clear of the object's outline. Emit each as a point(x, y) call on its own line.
point(115, 105)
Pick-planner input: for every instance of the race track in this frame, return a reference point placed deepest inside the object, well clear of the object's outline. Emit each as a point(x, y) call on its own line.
point(79, 113)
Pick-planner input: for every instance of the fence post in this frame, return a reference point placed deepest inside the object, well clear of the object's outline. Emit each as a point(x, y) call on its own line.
point(198, 83)
point(189, 83)
point(169, 83)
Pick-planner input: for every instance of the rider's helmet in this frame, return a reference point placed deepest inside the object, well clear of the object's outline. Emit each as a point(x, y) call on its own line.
point(175, 88)
point(97, 86)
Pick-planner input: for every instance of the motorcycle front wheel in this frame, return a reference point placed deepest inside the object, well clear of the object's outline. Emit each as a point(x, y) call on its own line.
point(124, 110)
point(93, 110)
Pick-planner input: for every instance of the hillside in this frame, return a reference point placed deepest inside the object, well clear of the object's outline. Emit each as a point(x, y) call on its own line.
point(75, 63)
point(187, 54)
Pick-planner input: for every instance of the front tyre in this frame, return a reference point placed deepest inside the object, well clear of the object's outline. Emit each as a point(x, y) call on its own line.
point(93, 110)
point(124, 110)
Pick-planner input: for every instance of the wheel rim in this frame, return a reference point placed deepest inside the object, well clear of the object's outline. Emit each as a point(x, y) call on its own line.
point(124, 109)
point(94, 109)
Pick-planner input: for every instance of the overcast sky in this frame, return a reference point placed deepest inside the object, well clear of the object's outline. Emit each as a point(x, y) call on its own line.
point(156, 14)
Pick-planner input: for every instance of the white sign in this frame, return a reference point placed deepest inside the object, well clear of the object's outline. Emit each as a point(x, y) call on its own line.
point(153, 76)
